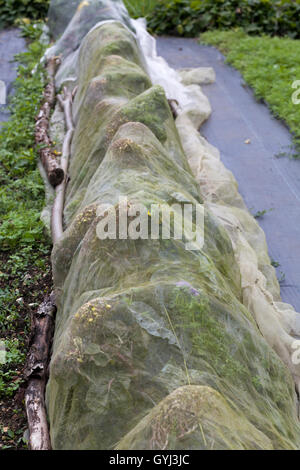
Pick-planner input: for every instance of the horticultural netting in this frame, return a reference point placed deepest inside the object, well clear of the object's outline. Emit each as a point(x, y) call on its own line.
point(153, 346)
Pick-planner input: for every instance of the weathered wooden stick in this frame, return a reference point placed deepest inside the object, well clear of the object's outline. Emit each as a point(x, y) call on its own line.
point(58, 206)
point(54, 172)
point(36, 374)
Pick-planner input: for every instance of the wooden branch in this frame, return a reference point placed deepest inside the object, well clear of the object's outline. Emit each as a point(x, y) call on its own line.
point(55, 174)
point(36, 374)
point(58, 206)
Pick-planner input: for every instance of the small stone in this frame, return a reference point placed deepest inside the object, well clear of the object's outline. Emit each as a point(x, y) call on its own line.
point(197, 76)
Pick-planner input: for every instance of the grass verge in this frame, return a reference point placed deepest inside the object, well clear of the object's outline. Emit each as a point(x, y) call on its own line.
point(25, 273)
point(269, 65)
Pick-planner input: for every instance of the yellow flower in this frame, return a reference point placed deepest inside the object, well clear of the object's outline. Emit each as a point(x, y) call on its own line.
point(26, 20)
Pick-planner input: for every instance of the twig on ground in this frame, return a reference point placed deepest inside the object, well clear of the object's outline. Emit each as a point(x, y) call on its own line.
point(36, 374)
point(58, 206)
point(54, 172)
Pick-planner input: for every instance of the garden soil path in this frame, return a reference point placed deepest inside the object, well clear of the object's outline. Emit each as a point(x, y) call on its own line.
point(265, 181)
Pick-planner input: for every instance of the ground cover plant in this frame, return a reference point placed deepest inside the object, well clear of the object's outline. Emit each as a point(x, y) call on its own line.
point(10, 10)
point(25, 276)
point(191, 17)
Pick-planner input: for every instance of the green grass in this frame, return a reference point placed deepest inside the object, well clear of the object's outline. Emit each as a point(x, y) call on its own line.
point(268, 65)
